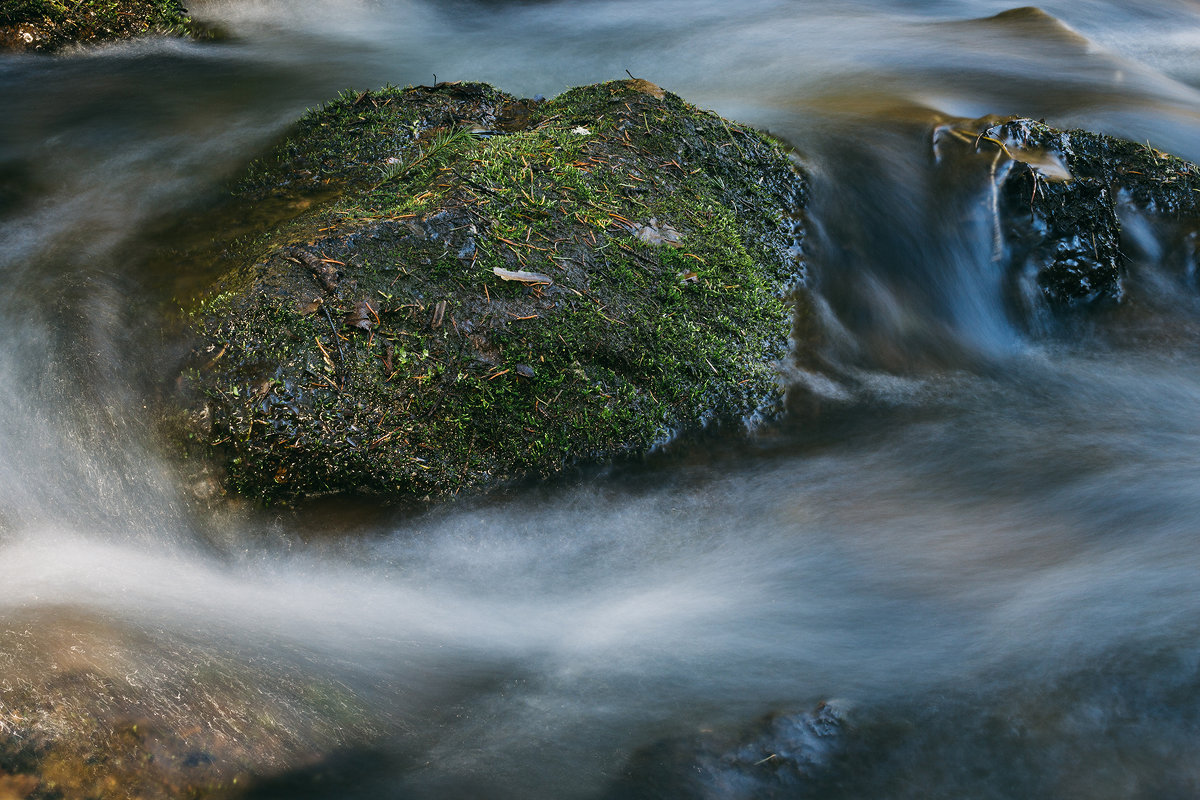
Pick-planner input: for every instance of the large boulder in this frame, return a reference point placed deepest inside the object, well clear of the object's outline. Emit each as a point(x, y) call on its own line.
point(473, 288)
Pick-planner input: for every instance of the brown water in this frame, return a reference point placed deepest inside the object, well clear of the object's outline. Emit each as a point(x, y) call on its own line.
point(982, 545)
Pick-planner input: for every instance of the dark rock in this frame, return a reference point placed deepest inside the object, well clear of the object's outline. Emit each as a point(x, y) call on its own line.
point(1062, 202)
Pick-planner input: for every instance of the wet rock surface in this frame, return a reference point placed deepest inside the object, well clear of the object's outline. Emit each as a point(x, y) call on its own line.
point(1067, 205)
point(488, 289)
point(92, 710)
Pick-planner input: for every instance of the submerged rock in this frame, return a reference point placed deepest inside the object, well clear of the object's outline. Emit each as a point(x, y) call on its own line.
point(477, 288)
point(780, 755)
point(91, 710)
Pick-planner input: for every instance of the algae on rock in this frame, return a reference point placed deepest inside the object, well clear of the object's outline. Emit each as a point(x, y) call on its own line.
point(485, 288)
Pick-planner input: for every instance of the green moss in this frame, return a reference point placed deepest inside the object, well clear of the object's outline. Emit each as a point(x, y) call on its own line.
point(51, 24)
point(455, 378)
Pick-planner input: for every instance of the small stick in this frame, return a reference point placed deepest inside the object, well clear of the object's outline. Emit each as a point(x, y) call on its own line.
point(336, 339)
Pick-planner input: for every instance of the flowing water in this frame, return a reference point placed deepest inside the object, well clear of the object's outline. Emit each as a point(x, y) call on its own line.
point(976, 539)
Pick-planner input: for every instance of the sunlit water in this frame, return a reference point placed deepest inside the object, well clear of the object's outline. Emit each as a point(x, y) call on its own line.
point(978, 540)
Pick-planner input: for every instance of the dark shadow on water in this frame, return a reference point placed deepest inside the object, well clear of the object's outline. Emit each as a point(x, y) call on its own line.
point(347, 774)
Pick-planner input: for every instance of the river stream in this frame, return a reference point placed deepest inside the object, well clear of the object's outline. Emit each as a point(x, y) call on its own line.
point(976, 539)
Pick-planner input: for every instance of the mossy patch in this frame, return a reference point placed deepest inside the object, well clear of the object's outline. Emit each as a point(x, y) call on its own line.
point(371, 344)
point(49, 25)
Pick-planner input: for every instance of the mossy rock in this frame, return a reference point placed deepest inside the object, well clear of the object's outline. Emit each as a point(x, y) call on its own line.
point(371, 343)
point(1063, 200)
point(49, 25)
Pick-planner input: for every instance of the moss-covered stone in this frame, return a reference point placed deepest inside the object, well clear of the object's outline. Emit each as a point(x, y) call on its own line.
point(370, 343)
point(49, 25)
